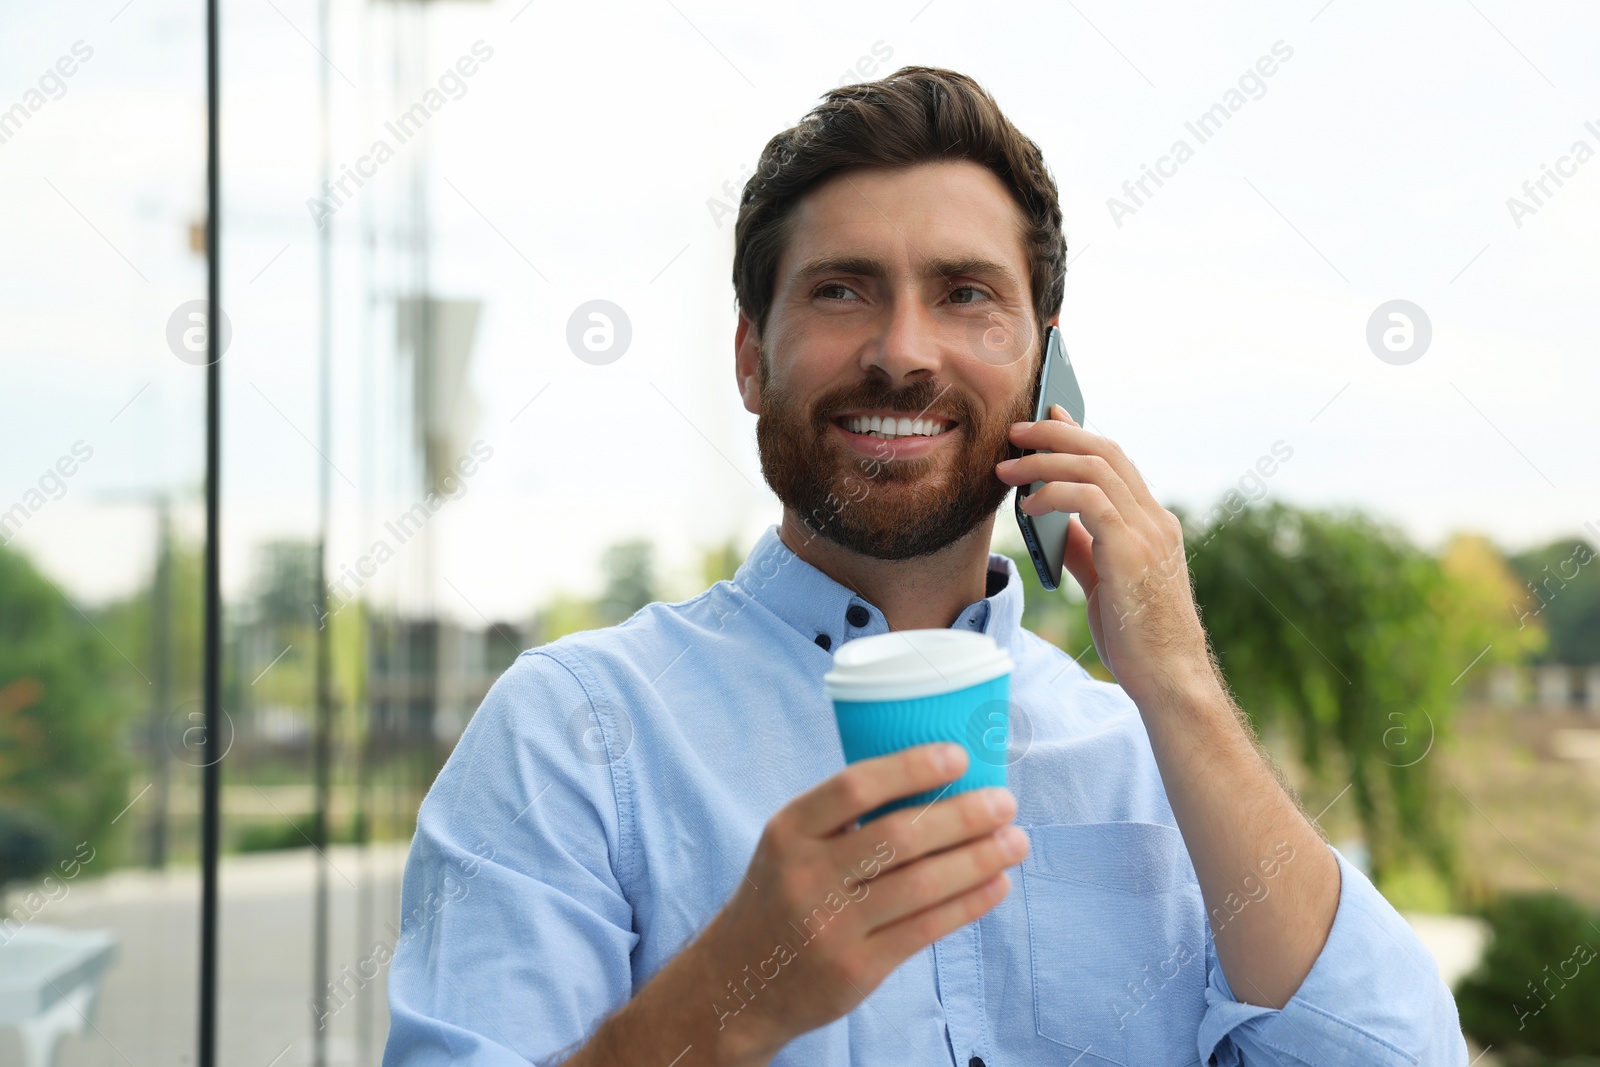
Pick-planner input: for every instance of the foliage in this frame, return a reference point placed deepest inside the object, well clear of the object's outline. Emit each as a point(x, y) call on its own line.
point(1536, 993)
point(276, 625)
point(285, 584)
point(62, 772)
point(1493, 609)
point(629, 567)
point(1332, 625)
point(296, 833)
point(27, 846)
point(720, 563)
point(1410, 885)
point(131, 625)
point(349, 631)
point(630, 584)
point(565, 614)
point(1563, 581)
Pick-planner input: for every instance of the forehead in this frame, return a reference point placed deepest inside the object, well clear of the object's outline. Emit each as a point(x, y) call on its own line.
point(954, 209)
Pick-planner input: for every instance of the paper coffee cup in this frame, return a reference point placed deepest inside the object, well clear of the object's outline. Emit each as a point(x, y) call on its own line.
point(912, 687)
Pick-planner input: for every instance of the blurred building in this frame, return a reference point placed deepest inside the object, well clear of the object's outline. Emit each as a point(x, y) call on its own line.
point(1546, 687)
point(429, 676)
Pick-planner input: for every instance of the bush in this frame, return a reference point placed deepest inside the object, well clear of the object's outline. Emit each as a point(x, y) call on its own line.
point(1536, 995)
point(282, 833)
point(27, 846)
point(64, 709)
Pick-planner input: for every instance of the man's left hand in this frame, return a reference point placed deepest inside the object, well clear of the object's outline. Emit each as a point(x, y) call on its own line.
point(1124, 549)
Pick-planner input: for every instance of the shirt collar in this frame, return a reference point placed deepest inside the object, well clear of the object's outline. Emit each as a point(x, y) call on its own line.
point(829, 614)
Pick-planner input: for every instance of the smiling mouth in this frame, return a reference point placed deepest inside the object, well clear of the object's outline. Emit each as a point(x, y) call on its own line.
point(892, 426)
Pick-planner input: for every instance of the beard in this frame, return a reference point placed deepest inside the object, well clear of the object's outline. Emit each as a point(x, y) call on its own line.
point(885, 508)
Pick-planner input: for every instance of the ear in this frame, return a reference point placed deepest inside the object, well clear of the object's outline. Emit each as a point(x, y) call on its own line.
point(746, 363)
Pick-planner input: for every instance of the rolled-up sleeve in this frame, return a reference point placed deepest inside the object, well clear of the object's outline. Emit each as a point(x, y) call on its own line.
point(515, 935)
point(1373, 996)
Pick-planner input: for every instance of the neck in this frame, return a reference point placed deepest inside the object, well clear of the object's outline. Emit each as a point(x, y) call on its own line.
point(928, 592)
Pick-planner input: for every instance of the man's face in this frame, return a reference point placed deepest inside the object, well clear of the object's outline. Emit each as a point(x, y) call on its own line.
point(903, 294)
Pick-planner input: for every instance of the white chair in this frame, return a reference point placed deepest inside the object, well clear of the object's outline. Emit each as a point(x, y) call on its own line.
point(49, 982)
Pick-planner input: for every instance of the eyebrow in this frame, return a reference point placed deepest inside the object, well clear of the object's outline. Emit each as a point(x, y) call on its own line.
point(867, 267)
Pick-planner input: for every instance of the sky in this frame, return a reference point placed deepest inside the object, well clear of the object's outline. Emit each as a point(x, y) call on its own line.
point(1210, 319)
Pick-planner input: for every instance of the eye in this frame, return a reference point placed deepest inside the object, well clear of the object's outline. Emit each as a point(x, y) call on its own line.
point(827, 291)
point(972, 289)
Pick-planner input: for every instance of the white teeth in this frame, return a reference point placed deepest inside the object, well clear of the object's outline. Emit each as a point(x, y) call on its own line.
point(889, 428)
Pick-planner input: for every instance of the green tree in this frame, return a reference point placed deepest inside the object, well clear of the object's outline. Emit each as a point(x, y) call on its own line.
point(629, 567)
point(276, 625)
point(1562, 583)
point(285, 584)
point(565, 614)
point(1332, 626)
point(159, 627)
point(630, 584)
point(720, 563)
point(63, 776)
point(1494, 612)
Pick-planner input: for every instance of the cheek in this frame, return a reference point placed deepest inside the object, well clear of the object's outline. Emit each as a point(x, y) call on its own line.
point(800, 380)
point(1022, 400)
point(1007, 397)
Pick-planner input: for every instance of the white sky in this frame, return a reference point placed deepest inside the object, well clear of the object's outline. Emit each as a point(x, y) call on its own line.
point(1227, 314)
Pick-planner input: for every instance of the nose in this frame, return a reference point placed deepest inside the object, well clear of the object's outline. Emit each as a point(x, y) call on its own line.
point(909, 347)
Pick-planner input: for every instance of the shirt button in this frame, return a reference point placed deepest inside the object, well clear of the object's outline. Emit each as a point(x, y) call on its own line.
point(824, 642)
point(976, 1061)
point(856, 615)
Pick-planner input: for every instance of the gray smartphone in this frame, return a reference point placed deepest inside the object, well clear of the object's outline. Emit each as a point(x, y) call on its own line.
point(1046, 535)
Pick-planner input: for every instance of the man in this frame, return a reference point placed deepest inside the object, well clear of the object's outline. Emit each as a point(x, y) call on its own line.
point(644, 850)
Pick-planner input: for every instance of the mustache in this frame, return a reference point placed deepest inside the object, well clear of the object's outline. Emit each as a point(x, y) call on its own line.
point(925, 397)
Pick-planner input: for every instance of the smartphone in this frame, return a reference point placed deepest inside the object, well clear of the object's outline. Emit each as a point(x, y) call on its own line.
point(1046, 535)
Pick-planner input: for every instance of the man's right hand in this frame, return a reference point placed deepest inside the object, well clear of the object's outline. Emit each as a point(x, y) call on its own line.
point(829, 909)
point(826, 911)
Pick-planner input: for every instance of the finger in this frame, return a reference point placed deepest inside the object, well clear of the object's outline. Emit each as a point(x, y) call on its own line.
point(1088, 501)
point(1079, 556)
point(832, 805)
point(1072, 467)
point(917, 831)
point(914, 933)
point(921, 884)
point(1058, 436)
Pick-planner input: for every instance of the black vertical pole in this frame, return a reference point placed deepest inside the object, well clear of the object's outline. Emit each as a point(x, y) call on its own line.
point(211, 803)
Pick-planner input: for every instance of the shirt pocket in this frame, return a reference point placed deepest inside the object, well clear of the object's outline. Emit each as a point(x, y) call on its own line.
point(1116, 938)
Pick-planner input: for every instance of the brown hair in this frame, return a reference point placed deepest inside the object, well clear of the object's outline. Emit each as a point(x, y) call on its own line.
point(915, 115)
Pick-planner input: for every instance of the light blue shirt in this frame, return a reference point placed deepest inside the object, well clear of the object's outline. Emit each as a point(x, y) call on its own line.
point(604, 802)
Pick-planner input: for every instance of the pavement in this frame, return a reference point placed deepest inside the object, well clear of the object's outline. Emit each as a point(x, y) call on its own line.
point(147, 1011)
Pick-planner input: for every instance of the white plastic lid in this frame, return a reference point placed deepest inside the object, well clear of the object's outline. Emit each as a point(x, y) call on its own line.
point(906, 664)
